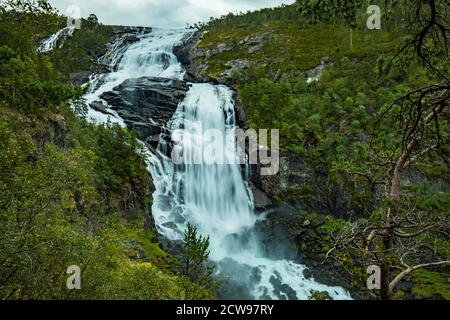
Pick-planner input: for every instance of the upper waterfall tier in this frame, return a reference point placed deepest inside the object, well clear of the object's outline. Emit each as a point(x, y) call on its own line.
point(52, 41)
point(150, 56)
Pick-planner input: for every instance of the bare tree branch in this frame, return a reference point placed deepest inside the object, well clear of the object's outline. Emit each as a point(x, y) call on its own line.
point(409, 270)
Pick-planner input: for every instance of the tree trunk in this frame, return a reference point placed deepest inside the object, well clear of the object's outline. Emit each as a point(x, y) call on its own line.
point(394, 195)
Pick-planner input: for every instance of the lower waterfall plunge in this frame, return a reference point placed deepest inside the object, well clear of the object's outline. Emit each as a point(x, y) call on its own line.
point(216, 199)
point(213, 197)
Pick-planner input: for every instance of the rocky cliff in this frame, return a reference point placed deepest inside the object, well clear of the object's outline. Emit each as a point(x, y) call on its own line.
point(146, 104)
point(290, 212)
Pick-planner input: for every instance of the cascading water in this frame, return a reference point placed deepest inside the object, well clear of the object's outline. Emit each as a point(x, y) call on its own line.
point(215, 198)
point(213, 194)
point(152, 55)
point(52, 41)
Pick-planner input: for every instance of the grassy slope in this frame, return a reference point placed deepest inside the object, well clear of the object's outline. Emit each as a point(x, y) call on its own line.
point(295, 48)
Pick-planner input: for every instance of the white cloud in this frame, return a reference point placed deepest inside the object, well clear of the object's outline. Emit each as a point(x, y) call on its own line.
point(161, 13)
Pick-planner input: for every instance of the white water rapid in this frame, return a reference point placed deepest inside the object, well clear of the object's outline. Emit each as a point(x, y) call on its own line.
point(213, 197)
point(151, 56)
point(52, 41)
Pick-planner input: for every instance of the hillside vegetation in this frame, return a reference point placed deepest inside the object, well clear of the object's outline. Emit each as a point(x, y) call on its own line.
point(364, 129)
point(71, 192)
point(350, 127)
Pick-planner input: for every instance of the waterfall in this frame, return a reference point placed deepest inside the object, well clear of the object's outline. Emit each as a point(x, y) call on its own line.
point(213, 195)
point(52, 41)
point(152, 55)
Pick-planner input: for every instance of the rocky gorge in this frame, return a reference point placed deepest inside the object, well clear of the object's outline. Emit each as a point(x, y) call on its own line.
point(297, 202)
point(121, 152)
point(147, 103)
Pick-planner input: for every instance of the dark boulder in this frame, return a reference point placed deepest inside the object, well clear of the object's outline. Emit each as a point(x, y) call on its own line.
point(80, 78)
point(130, 38)
point(175, 248)
point(98, 106)
point(260, 199)
point(146, 104)
point(282, 290)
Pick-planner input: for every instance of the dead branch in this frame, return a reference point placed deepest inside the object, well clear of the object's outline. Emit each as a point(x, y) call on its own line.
point(409, 270)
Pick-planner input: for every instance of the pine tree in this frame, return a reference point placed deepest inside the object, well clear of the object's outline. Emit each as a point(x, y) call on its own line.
point(194, 263)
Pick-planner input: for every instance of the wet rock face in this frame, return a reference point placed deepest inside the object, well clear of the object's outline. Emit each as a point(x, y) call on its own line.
point(80, 78)
point(233, 276)
point(187, 51)
point(146, 104)
point(260, 199)
point(302, 230)
point(282, 290)
point(189, 55)
point(304, 186)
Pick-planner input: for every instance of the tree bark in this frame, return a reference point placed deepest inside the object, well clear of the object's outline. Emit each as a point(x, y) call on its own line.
point(409, 270)
point(394, 195)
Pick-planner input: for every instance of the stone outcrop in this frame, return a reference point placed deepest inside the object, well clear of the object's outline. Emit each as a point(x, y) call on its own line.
point(260, 199)
point(80, 78)
point(146, 104)
point(188, 54)
point(304, 186)
point(287, 225)
point(233, 66)
point(53, 130)
point(195, 58)
point(256, 43)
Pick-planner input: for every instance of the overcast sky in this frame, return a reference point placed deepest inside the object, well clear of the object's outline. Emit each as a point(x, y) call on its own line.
point(161, 13)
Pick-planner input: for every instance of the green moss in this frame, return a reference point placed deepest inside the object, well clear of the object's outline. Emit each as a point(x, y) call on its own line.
point(319, 295)
point(333, 225)
point(398, 295)
point(152, 250)
point(431, 285)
